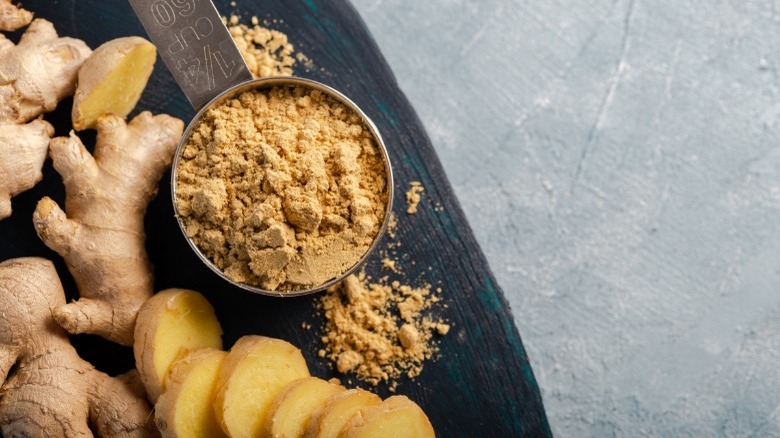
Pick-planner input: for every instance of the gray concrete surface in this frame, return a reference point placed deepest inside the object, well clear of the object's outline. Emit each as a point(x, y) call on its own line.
point(619, 163)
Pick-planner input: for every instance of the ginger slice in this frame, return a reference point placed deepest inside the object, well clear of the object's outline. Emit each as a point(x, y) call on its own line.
point(112, 79)
point(169, 324)
point(34, 76)
point(254, 371)
point(290, 410)
point(329, 419)
point(185, 409)
point(396, 417)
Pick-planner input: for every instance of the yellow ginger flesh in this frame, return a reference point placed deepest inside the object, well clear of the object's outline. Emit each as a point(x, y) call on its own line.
point(112, 80)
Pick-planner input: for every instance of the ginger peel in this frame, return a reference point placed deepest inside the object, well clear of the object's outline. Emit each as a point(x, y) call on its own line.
point(38, 72)
point(48, 390)
point(25, 147)
point(34, 75)
point(13, 17)
point(102, 237)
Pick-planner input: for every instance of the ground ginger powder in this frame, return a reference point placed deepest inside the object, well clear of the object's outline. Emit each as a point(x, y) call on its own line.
point(379, 331)
point(284, 189)
point(267, 52)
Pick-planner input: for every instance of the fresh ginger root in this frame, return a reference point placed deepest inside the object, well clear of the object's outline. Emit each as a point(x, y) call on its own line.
point(396, 417)
point(112, 80)
point(253, 372)
point(293, 405)
point(102, 236)
point(51, 391)
point(24, 151)
point(170, 324)
point(38, 72)
point(185, 408)
point(34, 76)
point(13, 17)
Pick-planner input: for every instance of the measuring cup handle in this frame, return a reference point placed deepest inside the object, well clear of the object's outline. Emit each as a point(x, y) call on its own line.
point(196, 47)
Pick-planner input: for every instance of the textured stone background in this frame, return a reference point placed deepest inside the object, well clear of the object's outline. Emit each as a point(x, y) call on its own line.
point(619, 163)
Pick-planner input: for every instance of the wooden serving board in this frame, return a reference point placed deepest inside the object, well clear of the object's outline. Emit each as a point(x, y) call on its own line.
point(482, 384)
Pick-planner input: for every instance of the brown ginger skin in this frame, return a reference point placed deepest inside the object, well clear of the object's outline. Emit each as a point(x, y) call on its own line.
point(38, 72)
point(13, 17)
point(101, 237)
point(34, 75)
point(52, 392)
point(24, 151)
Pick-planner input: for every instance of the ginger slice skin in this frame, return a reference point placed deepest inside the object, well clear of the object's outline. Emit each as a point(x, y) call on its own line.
point(47, 389)
point(13, 17)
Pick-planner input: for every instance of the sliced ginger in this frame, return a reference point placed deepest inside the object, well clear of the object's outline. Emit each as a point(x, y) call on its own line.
point(254, 371)
point(290, 410)
point(169, 324)
point(396, 417)
point(328, 419)
point(25, 147)
point(185, 409)
point(112, 80)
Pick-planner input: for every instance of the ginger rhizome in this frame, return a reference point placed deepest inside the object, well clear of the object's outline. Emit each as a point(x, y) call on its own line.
point(38, 72)
point(24, 150)
point(13, 17)
point(34, 76)
point(101, 233)
point(47, 389)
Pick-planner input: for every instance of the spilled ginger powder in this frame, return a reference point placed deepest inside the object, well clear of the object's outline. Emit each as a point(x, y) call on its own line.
point(267, 52)
point(284, 189)
point(379, 331)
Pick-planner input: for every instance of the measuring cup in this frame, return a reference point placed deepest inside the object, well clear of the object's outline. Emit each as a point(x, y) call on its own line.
point(200, 53)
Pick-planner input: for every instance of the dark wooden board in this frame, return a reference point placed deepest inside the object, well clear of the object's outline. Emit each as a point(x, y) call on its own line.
point(482, 384)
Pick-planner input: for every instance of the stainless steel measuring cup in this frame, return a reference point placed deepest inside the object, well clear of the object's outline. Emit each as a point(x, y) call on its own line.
point(200, 53)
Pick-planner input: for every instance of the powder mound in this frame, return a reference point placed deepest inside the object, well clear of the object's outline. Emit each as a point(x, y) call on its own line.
point(284, 189)
point(379, 331)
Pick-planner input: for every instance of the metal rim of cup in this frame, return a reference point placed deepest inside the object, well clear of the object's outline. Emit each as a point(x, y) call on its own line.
point(270, 82)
